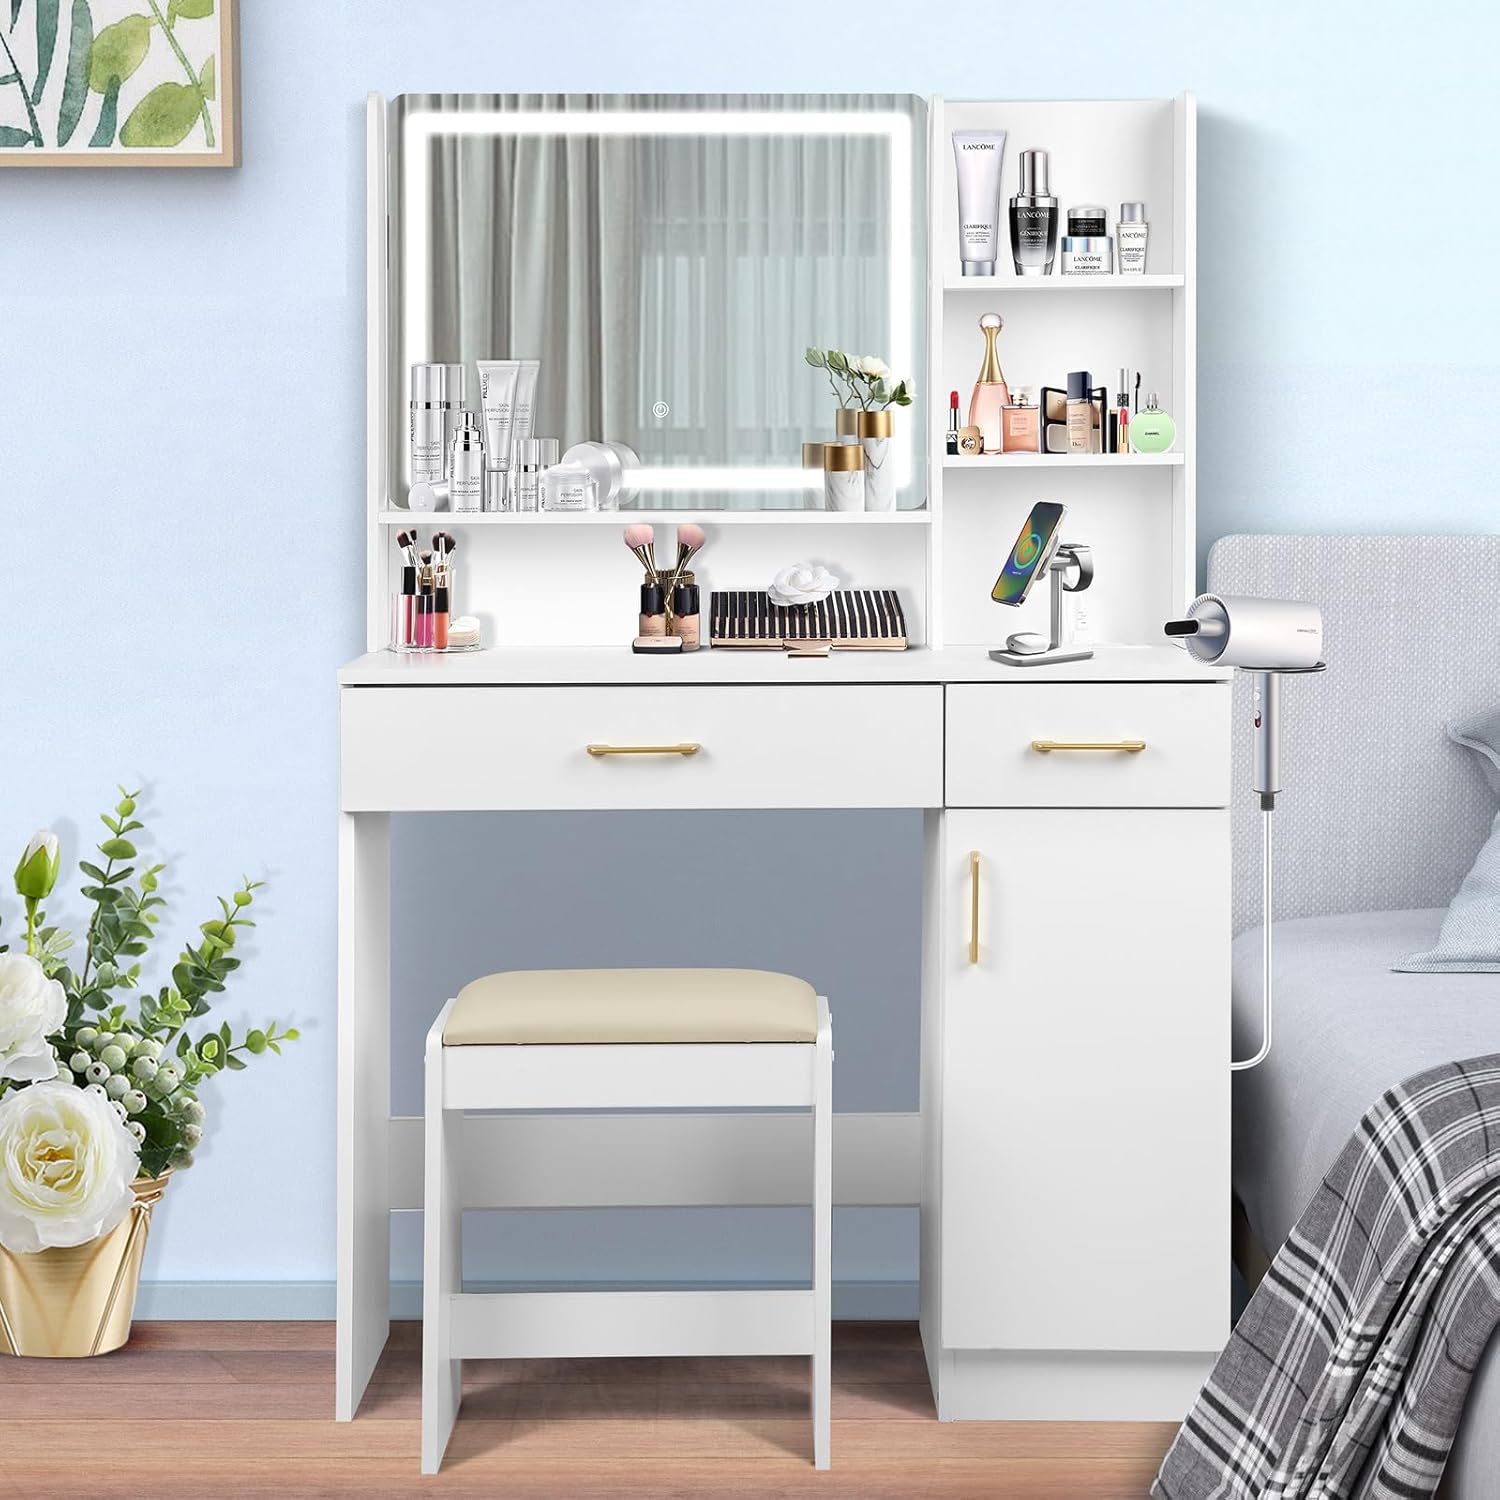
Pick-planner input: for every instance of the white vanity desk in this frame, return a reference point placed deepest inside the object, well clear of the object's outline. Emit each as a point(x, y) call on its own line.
point(1071, 1154)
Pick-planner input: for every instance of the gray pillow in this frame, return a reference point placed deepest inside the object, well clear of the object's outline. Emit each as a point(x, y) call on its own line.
point(1469, 940)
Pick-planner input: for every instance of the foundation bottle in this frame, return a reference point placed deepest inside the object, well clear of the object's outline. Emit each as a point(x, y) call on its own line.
point(991, 395)
point(1080, 413)
point(653, 610)
point(686, 622)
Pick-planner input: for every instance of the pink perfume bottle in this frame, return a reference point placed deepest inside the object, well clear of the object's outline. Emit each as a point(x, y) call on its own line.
point(991, 395)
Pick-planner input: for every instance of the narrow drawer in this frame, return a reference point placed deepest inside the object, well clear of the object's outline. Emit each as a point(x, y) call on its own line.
point(426, 749)
point(1112, 744)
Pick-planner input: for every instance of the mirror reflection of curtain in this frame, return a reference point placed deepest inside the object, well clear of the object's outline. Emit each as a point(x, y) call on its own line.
point(534, 255)
point(754, 247)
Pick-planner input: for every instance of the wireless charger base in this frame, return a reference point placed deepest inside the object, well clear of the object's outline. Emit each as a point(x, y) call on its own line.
point(1028, 656)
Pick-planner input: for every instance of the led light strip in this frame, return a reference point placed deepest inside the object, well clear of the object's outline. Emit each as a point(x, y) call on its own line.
point(422, 126)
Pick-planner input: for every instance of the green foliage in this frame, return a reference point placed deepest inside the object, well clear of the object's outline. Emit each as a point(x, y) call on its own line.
point(164, 116)
point(118, 51)
point(166, 1056)
point(76, 80)
point(853, 386)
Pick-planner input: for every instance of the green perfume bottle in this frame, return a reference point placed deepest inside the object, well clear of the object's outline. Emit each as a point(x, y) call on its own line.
point(1152, 430)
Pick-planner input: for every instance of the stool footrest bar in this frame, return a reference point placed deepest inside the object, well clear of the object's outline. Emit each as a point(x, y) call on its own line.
point(595, 1325)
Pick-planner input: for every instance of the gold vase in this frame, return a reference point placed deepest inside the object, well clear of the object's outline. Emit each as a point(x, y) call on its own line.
point(78, 1300)
point(845, 421)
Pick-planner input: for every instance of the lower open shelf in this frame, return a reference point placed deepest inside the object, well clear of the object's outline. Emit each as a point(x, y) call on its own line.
point(445, 518)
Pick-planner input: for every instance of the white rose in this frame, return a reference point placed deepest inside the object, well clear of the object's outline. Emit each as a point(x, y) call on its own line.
point(802, 583)
point(32, 1007)
point(66, 1165)
point(869, 365)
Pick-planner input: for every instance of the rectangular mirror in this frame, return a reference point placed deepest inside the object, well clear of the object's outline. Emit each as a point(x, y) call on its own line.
point(668, 260)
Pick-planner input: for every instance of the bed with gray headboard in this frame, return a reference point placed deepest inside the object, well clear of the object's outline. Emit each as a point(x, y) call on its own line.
point(1380, 819)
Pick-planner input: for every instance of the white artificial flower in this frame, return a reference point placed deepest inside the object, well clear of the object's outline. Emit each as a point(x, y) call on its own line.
point(869, 365)
point(66, 1165)
point(802, 583)
point(32, 1007)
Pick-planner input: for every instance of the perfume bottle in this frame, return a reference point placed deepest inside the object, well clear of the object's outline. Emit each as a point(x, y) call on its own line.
point(1033, 219)
point(1021, 429)
point(1152, 430)
point(991, 395)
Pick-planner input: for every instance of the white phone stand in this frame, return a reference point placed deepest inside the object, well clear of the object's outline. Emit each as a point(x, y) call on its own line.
point(1027, 649)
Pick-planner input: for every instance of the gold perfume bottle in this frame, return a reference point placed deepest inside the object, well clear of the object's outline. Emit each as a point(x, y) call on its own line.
point(991, 394)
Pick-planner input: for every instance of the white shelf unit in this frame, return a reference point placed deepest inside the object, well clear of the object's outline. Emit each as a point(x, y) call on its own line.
point(1136, 511)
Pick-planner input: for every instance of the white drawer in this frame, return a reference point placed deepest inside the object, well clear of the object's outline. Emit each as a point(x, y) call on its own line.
point(996, 734)
point(425, 749)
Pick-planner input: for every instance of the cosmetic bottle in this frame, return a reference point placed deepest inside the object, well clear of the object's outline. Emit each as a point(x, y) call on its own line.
point(1152, 430)
point(686, 622)
point(1087, 221)
point(1033, 219)
point(569, 487)
point(426, 496)
point(440, 611)
point(1132, 232)
point(1021, 428)
point(437, 392)
point(404, 611)
point(466, 465)
point(653, 620)
point(423, 640)
point(1122, 411)
point(1087, 255)
point(952, 442)
point(1080, 413)
point(991, 394)
point(531, 458)
point(843, 477)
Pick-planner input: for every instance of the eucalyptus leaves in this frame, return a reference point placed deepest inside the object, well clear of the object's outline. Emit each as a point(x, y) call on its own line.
point(860, 380)
point(82, 64)
point(63, 1030)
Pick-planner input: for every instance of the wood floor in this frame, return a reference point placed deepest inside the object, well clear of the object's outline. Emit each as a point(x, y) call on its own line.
point(243, 1410)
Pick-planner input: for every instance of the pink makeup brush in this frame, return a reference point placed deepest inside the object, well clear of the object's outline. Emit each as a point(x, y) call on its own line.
point(642, 541)
point(690, 540)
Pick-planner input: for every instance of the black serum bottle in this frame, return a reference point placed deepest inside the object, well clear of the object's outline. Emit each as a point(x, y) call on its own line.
point(1033, 219)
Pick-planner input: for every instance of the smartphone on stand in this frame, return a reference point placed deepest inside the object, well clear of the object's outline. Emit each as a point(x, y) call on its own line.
point(1033, 550)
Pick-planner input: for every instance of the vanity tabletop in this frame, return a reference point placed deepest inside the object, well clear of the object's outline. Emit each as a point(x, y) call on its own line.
point(610, 666)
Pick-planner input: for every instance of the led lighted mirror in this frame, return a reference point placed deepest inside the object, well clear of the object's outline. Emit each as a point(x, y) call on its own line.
point(668, 259)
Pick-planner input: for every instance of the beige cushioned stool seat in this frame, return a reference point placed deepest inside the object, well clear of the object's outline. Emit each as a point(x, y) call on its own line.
point(580, 1006)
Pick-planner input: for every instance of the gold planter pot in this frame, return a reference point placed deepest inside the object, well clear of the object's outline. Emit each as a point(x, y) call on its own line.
point(71, 1302)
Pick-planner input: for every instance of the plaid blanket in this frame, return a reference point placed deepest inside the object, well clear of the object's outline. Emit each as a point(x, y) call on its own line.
point(1347, 1373)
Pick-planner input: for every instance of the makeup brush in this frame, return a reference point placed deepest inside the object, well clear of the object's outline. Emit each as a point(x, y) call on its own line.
point(690, 539)
point(406, 541)
point(642, 540)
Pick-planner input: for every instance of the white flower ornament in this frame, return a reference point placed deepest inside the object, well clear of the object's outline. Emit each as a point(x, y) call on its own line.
point(66, 1165)
point(32, 1007)
point(802, 583)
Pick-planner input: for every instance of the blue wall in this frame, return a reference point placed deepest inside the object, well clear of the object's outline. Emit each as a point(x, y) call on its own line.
point(181, 461)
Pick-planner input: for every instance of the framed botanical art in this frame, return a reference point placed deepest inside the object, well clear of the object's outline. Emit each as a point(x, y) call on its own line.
point(119, 83)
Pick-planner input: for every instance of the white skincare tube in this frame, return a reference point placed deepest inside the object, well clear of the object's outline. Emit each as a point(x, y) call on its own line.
point(498, 383)
point(523, 425)
point(978, 154)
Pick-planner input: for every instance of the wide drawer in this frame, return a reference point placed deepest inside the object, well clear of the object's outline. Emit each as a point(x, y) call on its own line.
point(1099, 744)
point(422, 749)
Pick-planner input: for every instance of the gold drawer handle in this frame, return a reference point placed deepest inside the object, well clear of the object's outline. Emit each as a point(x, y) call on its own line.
point(1130, 747)
point(688, 747)
point(973, 906)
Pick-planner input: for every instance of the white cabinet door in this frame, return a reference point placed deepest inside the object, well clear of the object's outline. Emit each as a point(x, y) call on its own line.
point(1085, 1156)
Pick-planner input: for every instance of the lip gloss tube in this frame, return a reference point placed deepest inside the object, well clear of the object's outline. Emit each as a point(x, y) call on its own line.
point(424, 618)
point(440, 618)
point(404, 611)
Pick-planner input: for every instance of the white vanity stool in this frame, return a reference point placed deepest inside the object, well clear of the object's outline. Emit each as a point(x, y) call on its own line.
point(651, 1039)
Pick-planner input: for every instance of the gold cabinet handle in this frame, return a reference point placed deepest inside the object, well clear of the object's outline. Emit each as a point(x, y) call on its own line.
point(1129, 747)
point(973, 906)
point(687, 747)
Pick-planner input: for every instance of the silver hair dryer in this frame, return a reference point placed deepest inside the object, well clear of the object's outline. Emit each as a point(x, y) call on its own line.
point(1265, 637)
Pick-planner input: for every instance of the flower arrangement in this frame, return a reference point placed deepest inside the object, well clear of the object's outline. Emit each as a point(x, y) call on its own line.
point(95, 1092)
point(860, 380)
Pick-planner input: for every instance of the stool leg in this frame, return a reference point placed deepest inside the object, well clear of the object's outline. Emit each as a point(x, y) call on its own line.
point(822, 1278)
point(442, 1267)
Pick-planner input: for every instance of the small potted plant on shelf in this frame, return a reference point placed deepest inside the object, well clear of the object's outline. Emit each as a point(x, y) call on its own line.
point(862, 386)
point(98, 1095)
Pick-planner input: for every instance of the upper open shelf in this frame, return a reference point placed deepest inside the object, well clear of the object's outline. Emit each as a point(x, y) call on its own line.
point(1060, 283)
